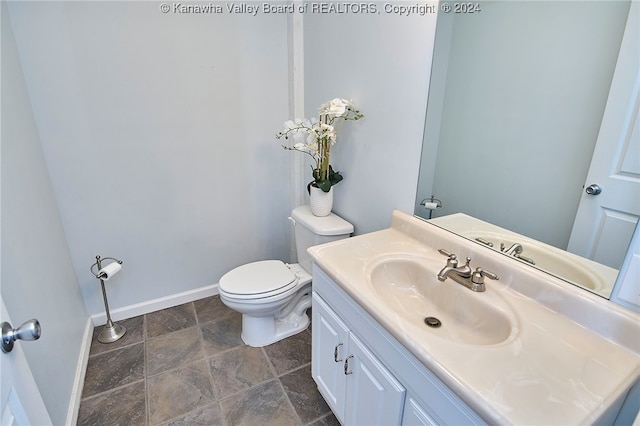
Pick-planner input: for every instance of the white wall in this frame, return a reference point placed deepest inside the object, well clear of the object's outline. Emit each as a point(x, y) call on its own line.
point(159, 134)
point(38, 279)
point(383, 63)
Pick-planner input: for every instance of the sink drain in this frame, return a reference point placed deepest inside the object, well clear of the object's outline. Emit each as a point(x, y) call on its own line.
point(432, 322)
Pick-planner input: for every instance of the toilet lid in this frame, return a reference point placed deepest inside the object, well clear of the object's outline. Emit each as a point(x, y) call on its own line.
point(257, 278)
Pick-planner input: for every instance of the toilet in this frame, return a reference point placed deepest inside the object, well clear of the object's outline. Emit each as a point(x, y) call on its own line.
point(273, 296)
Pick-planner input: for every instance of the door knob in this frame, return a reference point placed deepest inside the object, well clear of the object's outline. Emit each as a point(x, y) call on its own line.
point(30, 330)
point(593, 189)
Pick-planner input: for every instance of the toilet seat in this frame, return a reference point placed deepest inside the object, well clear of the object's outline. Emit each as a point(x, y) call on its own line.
point(258, 280)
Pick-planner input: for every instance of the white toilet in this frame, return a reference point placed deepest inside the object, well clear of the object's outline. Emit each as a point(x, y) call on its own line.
point(273, 296)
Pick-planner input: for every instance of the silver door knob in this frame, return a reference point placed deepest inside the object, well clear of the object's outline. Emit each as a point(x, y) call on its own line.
point(593, 189)
point(30, 330)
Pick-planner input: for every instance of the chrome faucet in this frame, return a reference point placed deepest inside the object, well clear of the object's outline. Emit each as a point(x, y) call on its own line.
point(473, 280)
point(516, 251)
point(452, 266)
point(516, 248)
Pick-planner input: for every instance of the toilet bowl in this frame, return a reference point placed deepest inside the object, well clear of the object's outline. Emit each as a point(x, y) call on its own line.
point(273, 296)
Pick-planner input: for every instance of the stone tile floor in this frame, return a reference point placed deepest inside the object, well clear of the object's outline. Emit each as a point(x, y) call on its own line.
point(187, 365)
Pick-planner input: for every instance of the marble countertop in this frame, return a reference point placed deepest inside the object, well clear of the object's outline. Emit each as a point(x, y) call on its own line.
point(560, 366)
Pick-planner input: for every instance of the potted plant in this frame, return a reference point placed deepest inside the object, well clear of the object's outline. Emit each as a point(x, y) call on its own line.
point(315, 137)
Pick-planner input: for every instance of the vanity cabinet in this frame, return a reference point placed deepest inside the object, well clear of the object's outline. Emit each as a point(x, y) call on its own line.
point(368, 377)
point(359, 389)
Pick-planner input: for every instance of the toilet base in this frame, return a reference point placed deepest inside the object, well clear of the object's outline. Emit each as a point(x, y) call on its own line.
point(263, 331)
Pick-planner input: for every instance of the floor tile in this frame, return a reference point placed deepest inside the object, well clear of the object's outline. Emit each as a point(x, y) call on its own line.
point(113, 369)
point(134, 334)
point(173, 350)
point(207, 416)
point(265, 404)
point(171, 319)
point(179, 391)
point(239, 369)
point(290, 353)
point(303, 394)
point(123, 406)
point(211, 309)
point(188, 365)
point(328, 420)
point(221, 335)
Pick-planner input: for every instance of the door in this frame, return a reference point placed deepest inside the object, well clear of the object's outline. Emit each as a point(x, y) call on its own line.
point(605, 221)
point(415, 415)
point(374, 396)
point(19, 396)
point(329, 345)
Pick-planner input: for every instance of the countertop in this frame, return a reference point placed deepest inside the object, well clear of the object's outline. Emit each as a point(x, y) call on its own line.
point(554, 369)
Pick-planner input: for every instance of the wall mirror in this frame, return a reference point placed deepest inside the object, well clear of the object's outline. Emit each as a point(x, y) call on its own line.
point(517, 97)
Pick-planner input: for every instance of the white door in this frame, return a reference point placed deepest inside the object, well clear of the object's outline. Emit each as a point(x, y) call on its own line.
point(374, 396)
point(605, 222)
point(415, 415)
point(19, 396)
point(329, 347)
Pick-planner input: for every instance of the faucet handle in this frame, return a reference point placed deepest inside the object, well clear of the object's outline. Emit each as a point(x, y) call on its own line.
point(479, 275)
point(446, 253)
point(452, 260)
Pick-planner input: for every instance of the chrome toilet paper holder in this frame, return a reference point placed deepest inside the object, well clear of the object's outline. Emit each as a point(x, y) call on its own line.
point(111, 331)
point(431, 204)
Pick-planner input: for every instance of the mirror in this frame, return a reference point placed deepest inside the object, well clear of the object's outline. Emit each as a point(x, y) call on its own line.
point(517, 95)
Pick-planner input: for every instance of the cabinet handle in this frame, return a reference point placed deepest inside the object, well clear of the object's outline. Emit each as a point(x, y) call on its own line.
point(346, 366)
point(335, 353)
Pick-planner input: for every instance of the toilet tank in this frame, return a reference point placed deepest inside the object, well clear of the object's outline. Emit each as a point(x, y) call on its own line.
point(312, 230)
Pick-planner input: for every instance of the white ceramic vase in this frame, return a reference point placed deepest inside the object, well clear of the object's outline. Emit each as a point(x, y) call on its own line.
point(321, 202)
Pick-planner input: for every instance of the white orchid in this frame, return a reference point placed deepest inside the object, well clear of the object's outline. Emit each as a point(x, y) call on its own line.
point(322, 131)
point(336, 107)
point(300, 147)
point(320, 135)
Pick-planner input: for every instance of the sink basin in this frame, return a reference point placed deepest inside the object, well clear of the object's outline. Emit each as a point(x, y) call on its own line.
point(409, 287)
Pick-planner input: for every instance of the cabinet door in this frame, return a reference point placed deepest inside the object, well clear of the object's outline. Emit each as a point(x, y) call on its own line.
point(415, 415)
point(328, 352)
point(374, 396)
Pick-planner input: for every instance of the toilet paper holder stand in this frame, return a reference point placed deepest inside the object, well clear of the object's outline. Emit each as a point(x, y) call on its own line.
point(427, 203)
point(111, 331)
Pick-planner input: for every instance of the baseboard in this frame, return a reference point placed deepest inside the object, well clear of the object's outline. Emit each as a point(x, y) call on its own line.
point(81, 369)
point(120, 314)
point(156, 304)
